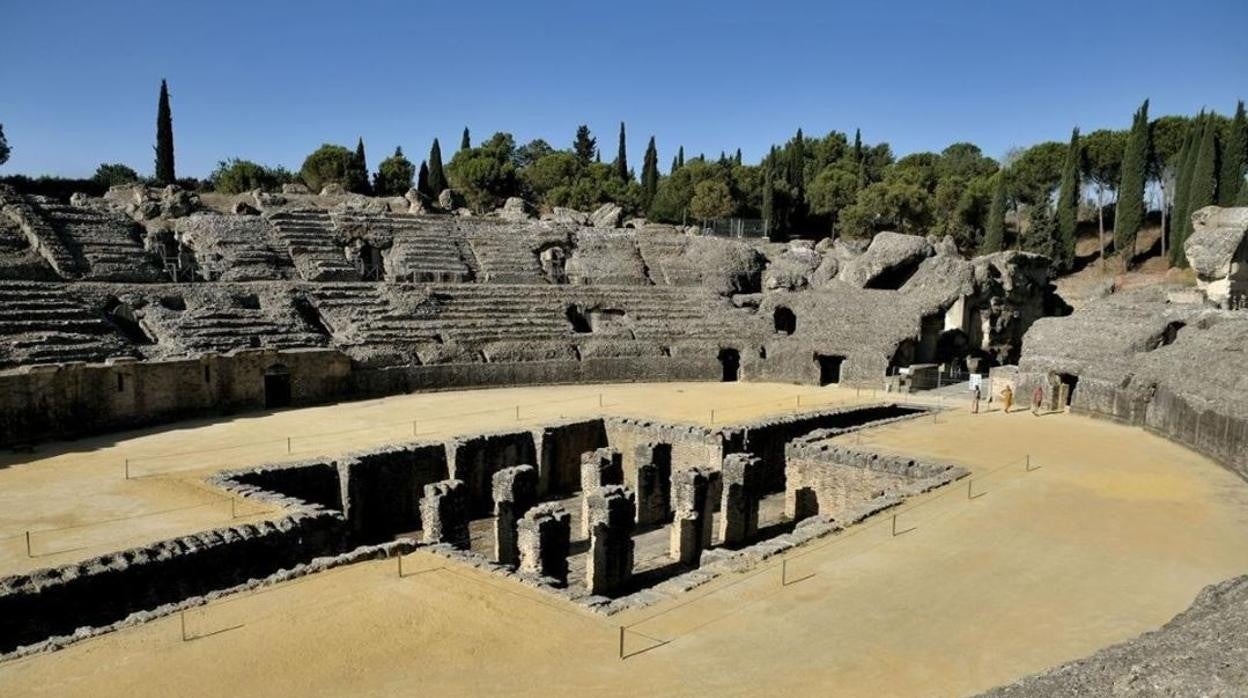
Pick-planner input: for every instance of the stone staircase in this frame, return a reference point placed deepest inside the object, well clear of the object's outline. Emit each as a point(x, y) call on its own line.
point(44, 323)
point(107, 245)
point(310, 238)
point(505, 256)
point(664, 255)
point(220, 327)
point(39, 233)
point(422, 251)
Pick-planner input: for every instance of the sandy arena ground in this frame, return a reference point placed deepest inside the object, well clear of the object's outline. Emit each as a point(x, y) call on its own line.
point(1113, 534)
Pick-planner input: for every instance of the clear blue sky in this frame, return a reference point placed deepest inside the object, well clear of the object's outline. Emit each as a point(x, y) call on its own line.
point(270, 81)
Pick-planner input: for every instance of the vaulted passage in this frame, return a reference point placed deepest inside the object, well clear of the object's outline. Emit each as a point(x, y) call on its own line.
point(276, 386)
point(730, 362)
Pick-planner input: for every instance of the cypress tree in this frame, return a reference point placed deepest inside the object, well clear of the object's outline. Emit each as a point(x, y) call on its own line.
point(649, 174)
point(994, 229)
point(675, 165)
point(357, 178)
point(737, 158)
point(1203, 187)
point(437, 178)
point(769, 202)
point(1068, 206)
point(1129, 215)
point(422, 181)
point(1042, 233)
point(680, 157)
point(621, 158)
point(465, 141)
point(857, 145)
point(1234, 155)
point(1179, 219)
point(164, 138)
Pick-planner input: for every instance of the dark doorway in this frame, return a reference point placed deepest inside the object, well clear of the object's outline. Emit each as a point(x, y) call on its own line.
point(829, 368)
point(730, 362)
point(785, 320)
point(370, 263)
point(1069, 383)
point(276, 386)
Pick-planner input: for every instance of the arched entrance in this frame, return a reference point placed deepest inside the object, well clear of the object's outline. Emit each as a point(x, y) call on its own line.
point(276, 386)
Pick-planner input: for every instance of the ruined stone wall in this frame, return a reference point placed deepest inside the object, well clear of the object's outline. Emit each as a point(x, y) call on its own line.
point(768, 438)
point(559, 448)
point(474, 460)
point(831, 479)
point(77, 399)
point(693, 446)
point(381, 488)
point(315, 482)
point(106, 589)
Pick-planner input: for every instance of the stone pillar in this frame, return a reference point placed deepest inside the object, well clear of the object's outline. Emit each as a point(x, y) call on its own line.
point(654, 483)
point(545, 534)
point(743, 488)
point(444, 513)
point(515, 492)
point(598, 469)
point(691, 523)
point(609, 564)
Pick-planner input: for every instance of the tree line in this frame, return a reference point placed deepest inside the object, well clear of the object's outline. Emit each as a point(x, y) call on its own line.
point(1034, 198)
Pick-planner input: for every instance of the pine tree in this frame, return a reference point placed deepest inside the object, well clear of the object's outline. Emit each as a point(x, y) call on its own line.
point(1129, 215)
point(465, 142)
point(584, 146)
point(1068, 206)
point(357, 178)
point(422, 181)
point(1203, 187)
point(994, 230)
point(164, 138)
point(649, 175)
point(1234, 157)
point(621, 158)
point(437, 178)
point(1179, 219)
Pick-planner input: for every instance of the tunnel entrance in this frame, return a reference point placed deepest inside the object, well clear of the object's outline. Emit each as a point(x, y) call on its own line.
point(1066, 389)
point(785, 321)
point(730, 365)
point(829, 368)
point(276, 386)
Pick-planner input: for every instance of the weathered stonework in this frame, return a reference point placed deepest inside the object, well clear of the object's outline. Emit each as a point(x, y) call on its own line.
point(599, 468)
point(444, 513)
point(515, 492)
point(544, 539)
point(691, 523)
point(742, 490)
point(609, 565)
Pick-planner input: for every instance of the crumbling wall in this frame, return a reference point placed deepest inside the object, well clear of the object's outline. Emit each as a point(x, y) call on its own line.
point(105, 589)
point(66, 400)
point(475, 459)
point(691, 445)
point(767, 438)
point(381, 489)
point(559, 448)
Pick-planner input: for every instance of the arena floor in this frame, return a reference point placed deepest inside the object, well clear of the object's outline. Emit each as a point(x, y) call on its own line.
point(1111, 533)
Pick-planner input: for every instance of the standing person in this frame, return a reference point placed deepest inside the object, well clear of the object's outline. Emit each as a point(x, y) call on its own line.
point(1007, 399)
point(1037, 400)
point(975, 400)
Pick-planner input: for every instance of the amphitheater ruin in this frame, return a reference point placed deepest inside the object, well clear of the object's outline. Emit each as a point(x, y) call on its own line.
point(604, 424)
